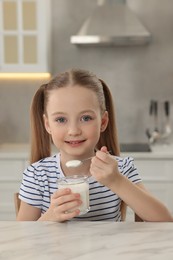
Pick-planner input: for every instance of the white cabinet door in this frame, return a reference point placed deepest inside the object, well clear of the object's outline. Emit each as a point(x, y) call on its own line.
point(10, 179)
point(25, 36)
point(7, 190)
point(163, 191)
point(157, 176)
point(155, 169)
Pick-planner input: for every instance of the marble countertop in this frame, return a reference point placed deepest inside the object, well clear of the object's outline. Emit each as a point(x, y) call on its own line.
point(22, 150)
point(86, 240)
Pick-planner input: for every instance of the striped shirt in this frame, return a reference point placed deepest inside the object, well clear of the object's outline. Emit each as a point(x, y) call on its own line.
point(40, 182)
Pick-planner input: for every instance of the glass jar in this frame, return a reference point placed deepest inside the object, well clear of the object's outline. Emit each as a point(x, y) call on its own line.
point(77, 184)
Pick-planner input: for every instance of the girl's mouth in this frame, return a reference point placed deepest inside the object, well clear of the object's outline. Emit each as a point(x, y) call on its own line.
point(75, 143)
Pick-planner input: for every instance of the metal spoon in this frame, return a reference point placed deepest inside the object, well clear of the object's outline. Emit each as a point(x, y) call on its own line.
point(76, 163)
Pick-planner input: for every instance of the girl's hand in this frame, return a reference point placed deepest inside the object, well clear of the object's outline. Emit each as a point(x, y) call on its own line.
point(104, 168)
point(64, 205)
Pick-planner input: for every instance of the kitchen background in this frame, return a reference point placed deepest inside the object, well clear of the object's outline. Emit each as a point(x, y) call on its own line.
point(135, 74)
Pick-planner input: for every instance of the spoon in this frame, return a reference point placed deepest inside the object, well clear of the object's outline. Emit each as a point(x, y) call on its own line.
point(76, 163)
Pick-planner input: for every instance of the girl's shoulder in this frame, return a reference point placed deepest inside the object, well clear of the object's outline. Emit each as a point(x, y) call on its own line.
point(48, 161)
point(48, 164)
point(126, 165)
point(124, 161)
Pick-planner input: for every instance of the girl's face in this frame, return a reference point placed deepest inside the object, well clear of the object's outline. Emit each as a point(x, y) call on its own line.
point(74, 121)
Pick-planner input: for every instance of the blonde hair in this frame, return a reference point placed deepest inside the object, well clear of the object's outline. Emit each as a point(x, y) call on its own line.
point(41, 140)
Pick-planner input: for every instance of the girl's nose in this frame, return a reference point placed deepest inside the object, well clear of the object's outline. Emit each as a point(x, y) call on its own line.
point(74, 129)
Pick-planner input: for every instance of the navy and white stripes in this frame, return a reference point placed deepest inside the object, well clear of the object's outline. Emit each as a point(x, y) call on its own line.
point(40, 182)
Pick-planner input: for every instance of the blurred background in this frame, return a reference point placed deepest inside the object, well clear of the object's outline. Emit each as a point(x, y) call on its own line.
point(136, 74)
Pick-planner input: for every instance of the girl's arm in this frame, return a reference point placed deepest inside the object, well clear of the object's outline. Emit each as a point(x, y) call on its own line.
point(104, 168)
point(140, 200)
point(28, 212)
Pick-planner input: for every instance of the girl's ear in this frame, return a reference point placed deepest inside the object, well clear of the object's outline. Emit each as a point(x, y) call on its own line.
point(104, 122)
point(46, 124)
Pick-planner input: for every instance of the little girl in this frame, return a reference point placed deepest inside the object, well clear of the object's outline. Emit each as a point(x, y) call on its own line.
point(75, 112)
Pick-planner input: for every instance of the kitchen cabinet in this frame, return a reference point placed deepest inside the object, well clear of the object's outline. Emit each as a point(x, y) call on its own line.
point(13, 160)
point(10, 179)
point(157, 176)
point(156, 171)
point(25, 36)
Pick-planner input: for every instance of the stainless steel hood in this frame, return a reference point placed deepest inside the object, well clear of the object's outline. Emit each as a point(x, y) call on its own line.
point(112, 23)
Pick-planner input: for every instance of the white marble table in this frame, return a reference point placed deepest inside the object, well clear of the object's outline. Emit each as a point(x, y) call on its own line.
point(85, 241)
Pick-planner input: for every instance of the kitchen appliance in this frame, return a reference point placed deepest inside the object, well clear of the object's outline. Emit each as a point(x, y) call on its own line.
point(135, 147)
point(163, 130)
point(168, 129)
point(112, 23)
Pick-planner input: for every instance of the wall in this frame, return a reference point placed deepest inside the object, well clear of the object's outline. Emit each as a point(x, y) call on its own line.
point(135, 74)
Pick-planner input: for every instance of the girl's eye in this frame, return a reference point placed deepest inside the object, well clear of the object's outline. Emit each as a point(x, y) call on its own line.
point(60, 120)
point(86, 118)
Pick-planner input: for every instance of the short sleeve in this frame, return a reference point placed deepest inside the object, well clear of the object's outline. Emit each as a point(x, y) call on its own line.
point(31, 187)
point(40, 182)
point(128, 169)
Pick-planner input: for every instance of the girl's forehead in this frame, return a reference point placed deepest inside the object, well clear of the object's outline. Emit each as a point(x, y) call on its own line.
point(71, 97)
point(77, 92)
point(70, 88)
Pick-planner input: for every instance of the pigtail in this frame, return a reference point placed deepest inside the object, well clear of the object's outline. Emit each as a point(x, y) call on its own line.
point(40, 139)
point(109, 137)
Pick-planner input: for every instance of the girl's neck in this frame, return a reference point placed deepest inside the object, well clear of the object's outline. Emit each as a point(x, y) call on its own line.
point(83, 169)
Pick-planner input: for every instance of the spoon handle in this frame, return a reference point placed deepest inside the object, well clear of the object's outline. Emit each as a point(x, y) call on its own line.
point(92, 156)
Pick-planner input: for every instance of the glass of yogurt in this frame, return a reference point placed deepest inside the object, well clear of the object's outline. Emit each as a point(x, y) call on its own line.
point(78, 184)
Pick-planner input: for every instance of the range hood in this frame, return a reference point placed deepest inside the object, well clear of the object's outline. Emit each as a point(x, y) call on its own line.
point(112, 23)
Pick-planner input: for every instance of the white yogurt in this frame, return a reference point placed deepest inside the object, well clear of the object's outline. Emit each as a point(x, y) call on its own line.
point(73, 163)
point(77, 184)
